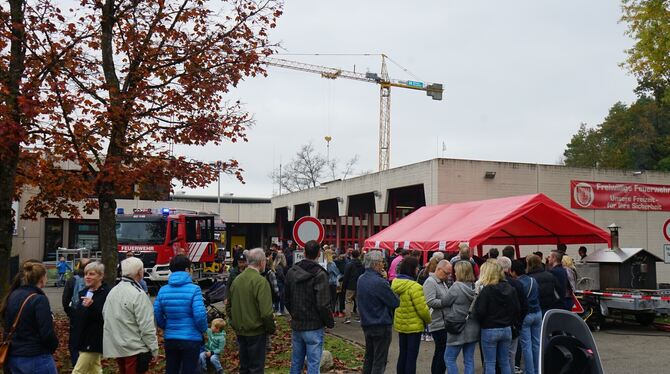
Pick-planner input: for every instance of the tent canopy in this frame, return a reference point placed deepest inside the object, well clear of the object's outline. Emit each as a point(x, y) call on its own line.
point(518, 220)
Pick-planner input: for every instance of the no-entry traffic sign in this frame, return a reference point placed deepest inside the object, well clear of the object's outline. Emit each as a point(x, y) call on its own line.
point(306, 229)
point(666, 230)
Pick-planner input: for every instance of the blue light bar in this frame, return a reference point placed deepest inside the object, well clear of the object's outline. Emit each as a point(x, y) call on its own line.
point(166, 211)
point(119, 211)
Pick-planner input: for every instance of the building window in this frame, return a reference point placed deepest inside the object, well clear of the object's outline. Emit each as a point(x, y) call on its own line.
point(84, 234)
point(53, 238)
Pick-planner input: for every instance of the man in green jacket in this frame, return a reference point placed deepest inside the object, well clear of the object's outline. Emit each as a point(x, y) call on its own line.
point(250, 311)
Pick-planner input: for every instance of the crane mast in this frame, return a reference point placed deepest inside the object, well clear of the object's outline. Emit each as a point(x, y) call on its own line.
point(434, 90)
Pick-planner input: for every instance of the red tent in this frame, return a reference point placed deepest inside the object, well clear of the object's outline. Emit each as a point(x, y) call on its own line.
point(517, 220)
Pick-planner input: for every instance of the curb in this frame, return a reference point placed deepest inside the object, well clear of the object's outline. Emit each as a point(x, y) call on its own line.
point(349, 340)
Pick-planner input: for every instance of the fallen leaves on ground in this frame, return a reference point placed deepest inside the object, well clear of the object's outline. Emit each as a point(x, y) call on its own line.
point(347, 356)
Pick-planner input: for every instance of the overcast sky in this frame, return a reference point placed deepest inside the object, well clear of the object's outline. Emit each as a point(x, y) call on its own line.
point(519, 78)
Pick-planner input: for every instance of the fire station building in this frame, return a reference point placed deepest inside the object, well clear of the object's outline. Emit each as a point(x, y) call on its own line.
point(356, 208)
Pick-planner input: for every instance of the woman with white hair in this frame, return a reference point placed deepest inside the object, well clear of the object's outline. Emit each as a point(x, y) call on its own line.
point(90, 320)
point(130, 331)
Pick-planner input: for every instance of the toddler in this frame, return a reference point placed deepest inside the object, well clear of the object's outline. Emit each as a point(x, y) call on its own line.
point(216, 341)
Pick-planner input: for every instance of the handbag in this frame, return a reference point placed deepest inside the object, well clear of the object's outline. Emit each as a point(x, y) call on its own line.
point(4, 345)
point(457, 326)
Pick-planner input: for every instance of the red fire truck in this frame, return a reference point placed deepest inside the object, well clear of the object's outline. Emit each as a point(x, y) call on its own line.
point(157, 236)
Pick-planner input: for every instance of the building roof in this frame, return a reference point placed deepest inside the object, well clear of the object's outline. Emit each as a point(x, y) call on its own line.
point(523, 220)
point(617, 255)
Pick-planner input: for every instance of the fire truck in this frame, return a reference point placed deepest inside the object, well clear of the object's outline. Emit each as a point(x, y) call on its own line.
point(157, 236)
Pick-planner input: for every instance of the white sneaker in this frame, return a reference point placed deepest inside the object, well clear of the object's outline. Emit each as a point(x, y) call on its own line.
point(423, 337)
point(429, 338)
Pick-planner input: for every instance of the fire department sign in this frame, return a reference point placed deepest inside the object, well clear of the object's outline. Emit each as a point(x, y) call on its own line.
point(619, 196)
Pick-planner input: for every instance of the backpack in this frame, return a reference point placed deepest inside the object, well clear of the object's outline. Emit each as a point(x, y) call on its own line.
point(273, 283)
point(78, 286)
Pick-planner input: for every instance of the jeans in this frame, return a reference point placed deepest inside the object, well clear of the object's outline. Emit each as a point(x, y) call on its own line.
point(349, 304)
point(306, 343)
point(451, 353)
point(530, 342)
point(42, 364)
point(377, 342)
point(512, 353)
point(440, 338)
point(279, 304)
point(214, 359)
point(409, 351)
point(181, 356)
point(333, 298)
point(252, 354)
point(60, 282)
point(495, 346)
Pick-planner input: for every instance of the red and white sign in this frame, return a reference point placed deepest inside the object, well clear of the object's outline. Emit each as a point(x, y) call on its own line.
point(306, 229)
point(619, 196)
point(577, 306)
point(666, 230)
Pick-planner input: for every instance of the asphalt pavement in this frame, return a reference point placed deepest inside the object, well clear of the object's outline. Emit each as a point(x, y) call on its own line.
point(624, 349)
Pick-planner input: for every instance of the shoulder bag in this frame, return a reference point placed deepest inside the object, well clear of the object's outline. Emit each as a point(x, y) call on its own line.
point(4, 345)
point(456, 326)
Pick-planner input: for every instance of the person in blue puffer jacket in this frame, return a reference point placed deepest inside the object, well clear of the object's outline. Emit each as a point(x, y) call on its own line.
point(180, 311)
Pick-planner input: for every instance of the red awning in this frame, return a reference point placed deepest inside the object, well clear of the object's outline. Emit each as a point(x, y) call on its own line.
point(518, 220)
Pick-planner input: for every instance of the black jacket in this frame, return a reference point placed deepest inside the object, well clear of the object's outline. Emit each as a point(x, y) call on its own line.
point(497, 306)
point(352, 271)
point(89, 321)
point(549, 290)
point(307, 296)
point(34, 334)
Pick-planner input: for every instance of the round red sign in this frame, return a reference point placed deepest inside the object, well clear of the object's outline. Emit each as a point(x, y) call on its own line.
point(666, 227)
point(306, 229)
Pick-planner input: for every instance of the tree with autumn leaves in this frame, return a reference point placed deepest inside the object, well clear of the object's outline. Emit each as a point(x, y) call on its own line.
point(134, 79)
point(635, 136)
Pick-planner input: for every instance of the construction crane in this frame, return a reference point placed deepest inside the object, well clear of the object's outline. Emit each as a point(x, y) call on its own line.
point(433, 90)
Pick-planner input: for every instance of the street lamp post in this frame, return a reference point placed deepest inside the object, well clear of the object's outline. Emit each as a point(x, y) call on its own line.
point(218, 187)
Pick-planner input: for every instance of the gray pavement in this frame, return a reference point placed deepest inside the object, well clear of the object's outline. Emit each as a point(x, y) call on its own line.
point(623, 349)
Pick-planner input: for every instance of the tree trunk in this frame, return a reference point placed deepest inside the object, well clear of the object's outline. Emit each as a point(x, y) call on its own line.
point(10, 156)
point(7, 181)
point(107, 229)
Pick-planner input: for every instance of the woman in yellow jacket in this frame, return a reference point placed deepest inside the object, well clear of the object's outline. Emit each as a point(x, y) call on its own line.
point(411, 316)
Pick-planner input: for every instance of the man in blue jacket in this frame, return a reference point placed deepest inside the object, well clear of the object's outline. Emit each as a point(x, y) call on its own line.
point(376, 304)
point(180, 311)
point(555, 261)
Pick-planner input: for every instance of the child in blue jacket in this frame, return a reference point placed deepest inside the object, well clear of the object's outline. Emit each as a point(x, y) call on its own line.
point(62, 267)
point(216, 341)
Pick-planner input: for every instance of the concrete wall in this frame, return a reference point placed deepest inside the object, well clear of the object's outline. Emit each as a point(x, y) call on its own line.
point(420, 173)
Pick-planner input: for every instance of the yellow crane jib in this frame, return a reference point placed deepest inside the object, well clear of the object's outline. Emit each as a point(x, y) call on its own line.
point(434, 90)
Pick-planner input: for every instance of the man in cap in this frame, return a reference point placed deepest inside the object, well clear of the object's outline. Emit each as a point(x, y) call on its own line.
point(239, 265)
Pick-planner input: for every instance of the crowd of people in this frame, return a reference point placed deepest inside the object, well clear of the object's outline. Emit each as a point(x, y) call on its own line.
point(496, 302)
